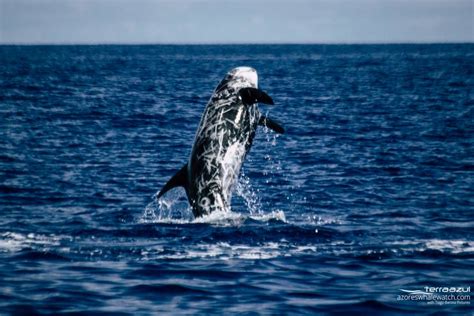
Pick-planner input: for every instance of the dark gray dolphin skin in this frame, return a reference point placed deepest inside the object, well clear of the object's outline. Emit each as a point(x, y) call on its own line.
point(222, 141)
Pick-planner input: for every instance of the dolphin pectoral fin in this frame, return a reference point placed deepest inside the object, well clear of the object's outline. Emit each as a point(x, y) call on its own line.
point(265, 121)
point(252, 95)
point(178, 180)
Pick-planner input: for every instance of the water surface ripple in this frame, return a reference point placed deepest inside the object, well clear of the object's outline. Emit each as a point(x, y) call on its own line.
point(370, 190)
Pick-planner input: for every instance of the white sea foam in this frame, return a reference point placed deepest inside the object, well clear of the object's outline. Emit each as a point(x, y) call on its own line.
point(282, 248)
point(226, 251)
point(454, 246)
point(11, 241)
point(217, 218)
point(278, 215)
point(443, 245)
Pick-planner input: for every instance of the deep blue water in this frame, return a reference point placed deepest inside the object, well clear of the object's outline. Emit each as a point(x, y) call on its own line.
point(370, 191)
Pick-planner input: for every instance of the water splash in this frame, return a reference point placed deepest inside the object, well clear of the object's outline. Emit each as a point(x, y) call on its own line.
point(272, 168)
point(250, 196)
point(173, 207)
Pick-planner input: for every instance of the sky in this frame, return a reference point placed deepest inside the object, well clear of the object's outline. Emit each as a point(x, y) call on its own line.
point(232, 21)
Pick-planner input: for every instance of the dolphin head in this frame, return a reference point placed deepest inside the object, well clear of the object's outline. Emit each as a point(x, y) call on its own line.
point(247, 74)
point(240, 77)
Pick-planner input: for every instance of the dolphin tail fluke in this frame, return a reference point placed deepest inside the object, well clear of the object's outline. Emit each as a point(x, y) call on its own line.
point(269, 123)
point(178, 180)
point(252, 95)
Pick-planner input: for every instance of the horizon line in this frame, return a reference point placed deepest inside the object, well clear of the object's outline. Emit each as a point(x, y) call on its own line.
point(230, 43)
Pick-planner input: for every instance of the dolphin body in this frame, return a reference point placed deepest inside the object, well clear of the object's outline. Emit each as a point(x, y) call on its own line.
point(223, 139)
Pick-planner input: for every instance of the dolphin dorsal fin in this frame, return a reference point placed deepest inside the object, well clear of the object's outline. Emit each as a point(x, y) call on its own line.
point(252, 95)
point(178, 180)
point(271, 124)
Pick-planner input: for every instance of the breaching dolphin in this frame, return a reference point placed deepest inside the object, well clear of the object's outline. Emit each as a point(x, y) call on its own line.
point(223, 139)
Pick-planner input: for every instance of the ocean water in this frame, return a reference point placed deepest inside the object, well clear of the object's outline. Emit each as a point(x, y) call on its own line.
point(370, 191)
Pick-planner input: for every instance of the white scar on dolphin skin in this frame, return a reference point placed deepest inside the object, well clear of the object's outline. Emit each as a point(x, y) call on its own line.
point(223, 139)
point(223, 160)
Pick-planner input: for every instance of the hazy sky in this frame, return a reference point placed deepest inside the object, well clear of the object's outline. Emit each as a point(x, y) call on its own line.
point(242, 21)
